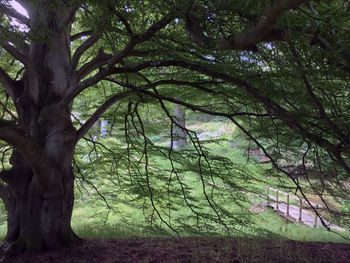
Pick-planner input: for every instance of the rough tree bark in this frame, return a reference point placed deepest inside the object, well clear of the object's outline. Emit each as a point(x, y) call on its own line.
point(39, 198)
point(38, 189)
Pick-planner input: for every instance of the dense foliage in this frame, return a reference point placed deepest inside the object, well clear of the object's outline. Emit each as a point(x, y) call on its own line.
point(278, 70)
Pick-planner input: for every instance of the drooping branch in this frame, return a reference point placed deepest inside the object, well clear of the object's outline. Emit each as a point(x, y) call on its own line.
point(278, 167)
point(263, 31)
point(145, 91)
point(332, 59)
point(270, 106)
point(97, 114)
point(14, 14)
point(309, 90)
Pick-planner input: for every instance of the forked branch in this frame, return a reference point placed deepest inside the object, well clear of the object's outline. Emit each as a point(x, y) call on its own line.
point(95, 36)
point(26, 146)
point(118, 57)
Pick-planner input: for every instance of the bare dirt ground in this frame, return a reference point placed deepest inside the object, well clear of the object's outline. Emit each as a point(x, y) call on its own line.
point(173, 250)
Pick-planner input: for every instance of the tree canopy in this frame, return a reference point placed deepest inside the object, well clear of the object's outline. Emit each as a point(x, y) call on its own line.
point(279, 70)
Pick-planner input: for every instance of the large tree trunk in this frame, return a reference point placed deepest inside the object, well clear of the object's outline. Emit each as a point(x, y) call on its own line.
point(37, 218)
point(39, 214)
point(40, 204)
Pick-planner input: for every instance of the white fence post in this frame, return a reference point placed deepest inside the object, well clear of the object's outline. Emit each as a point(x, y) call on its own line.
point(300, 209)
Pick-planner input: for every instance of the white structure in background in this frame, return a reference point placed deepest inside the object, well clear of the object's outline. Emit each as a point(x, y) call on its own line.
point(104, 127)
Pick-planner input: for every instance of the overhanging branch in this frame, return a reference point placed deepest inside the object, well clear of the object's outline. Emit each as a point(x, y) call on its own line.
point(271, 107)
point(263, 31)
point(128, 49)
point(102, 60)
point(191, 106)
point(97, 114)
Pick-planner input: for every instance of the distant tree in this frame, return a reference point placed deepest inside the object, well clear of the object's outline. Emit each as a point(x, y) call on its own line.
point(282, 64)
point(179, 134)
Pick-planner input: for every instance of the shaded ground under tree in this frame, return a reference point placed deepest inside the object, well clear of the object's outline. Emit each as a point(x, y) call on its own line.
point(192, 250)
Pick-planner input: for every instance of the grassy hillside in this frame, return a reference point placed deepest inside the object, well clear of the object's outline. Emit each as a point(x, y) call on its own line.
point(110, 202)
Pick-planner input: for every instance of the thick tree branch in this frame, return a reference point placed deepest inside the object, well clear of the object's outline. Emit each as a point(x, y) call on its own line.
point(80, 35)
point(27, 147)
point(101, 60)
point(134, 40)
point(96, 35)
point(97, 114)
point(8, 83)
point(263, 31)
point(14, 14)
point(14, 52)
point(126, 24)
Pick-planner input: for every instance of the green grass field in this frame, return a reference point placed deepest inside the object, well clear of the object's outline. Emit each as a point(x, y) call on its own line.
point(130, 213)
